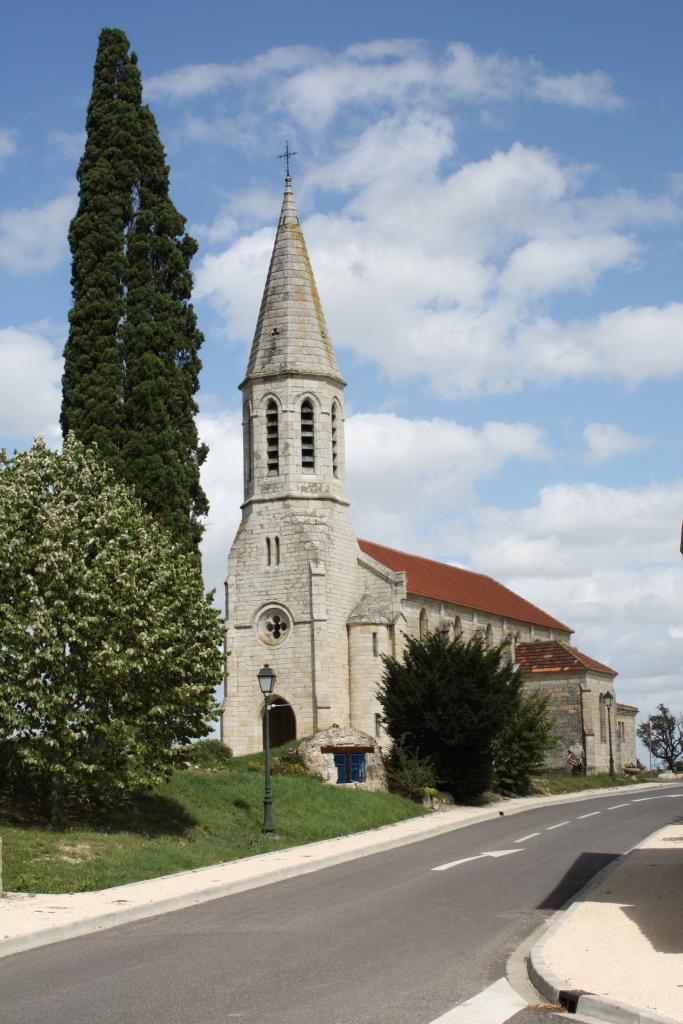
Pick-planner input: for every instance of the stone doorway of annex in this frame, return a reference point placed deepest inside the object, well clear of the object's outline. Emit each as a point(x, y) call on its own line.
point(282, 722)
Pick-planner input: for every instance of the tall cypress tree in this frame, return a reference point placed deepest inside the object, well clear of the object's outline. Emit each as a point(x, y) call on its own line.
point(162, 453)
point(92, 385)
point(132, 357)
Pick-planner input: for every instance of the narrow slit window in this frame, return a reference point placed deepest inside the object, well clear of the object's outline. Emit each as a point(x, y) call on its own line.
point(375, 645)
point(307, 435)
point(273, 437)
point(335, 457)
point(267, 550)
point(247, 443)
point(277, 550)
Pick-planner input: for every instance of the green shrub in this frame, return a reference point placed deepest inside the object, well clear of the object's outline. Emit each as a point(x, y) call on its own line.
point(289, 763)
point(408, 774)
point(208, 754)
point(520, 747)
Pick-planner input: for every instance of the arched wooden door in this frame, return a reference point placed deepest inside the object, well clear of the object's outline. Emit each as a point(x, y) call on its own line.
point(282, 722)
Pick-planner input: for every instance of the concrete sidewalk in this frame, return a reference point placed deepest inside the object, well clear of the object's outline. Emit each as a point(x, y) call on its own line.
point(622, 940)
point(30, 921)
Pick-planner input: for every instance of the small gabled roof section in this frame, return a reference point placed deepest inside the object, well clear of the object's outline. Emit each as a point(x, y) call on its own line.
point(448, 583)
point(369, 612)
point(291, 334)
point(556, 656)
point(627, 709)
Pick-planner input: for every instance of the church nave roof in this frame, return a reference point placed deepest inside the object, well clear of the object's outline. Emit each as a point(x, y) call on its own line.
point(449, 583)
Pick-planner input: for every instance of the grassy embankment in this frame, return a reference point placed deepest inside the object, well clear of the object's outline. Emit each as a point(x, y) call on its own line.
point(200, 818)
point(551, 784)
point(197, 818)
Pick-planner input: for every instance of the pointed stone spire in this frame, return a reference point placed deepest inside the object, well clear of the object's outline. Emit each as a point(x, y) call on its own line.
point(291, 334)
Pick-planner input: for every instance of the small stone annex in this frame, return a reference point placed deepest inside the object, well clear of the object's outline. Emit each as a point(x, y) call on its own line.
point(319, 605)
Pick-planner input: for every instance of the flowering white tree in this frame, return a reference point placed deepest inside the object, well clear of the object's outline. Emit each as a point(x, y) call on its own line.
point(109, 647)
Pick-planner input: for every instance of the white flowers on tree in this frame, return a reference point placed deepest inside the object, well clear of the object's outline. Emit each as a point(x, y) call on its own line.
point(109, 648)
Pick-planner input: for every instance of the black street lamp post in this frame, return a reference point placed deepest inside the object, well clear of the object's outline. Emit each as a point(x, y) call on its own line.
point(607, 697)
point(266, 680)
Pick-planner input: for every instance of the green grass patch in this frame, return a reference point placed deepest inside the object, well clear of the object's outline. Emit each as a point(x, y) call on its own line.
point(552, 783)
point(196, 819)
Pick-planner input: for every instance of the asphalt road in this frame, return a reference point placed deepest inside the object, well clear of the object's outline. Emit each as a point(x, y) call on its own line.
point(382, 940)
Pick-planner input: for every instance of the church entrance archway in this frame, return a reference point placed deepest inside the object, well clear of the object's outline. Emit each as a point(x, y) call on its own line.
point(282, 722)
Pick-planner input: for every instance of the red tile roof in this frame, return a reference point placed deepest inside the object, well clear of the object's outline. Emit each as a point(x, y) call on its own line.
point(556, 656)
point(627, 709)
point(448, 583)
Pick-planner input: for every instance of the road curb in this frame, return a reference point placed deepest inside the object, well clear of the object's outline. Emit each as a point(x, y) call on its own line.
point(552, 988)
point(305, 861)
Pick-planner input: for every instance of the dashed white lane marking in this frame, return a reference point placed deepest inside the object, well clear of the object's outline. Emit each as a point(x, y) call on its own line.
point(615, 807)
point(591, 815)
point(532, 835)
point(495, 1004)
point(479, 856)
point(559, 825)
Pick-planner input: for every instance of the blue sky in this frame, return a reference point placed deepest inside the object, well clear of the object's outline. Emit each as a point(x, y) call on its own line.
point(492, 196)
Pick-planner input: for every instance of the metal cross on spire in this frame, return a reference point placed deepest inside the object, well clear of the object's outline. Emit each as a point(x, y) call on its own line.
point(288, 153)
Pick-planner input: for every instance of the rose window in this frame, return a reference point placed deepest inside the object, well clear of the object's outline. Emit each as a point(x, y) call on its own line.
point(276, 626)
point(273, 626)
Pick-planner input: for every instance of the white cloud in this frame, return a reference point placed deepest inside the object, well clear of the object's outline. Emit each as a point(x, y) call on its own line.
point(30, 385)
point(604, 560)
point(605, 441)
point(548, 265)
point(8, 144)
point(201, 79)
point(591, 91)
point(449, 277)
point(70, 144)
point(314, 85)
point(35, 238)
point(407, 474)
point(221, 477)
point(580, 528)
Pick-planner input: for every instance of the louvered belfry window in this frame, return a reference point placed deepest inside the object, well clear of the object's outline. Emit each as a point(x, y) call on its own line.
point(307, 435)
point(272, 437)
point(335, 462)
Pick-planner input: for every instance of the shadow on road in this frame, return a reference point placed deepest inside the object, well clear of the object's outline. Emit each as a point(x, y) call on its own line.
point(582, 870)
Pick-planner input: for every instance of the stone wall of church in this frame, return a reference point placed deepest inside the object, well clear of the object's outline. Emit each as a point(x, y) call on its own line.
point(595, 723)
point(564, 703)
point(626, 739)
point(367, 643)
point(467, 622)
point(312, 590)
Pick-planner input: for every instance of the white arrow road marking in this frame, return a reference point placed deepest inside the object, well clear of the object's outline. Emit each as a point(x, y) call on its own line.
point(591, 815)
point(479, 856)
point(532, 835)
point(559, 825)
point(495, 1004)
point(615, 807)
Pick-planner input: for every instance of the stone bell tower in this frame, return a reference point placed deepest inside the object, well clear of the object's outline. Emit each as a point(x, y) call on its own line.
point(293, 566)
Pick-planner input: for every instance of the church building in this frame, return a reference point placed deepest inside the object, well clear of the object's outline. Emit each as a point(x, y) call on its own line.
point(306, 596)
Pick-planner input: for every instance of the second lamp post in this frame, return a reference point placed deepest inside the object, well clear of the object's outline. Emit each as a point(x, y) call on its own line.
point(266, 680)
point(607, 697)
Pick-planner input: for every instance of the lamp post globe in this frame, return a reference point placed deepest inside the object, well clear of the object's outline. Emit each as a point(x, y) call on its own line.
point(266, 680)
point(608, 698)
